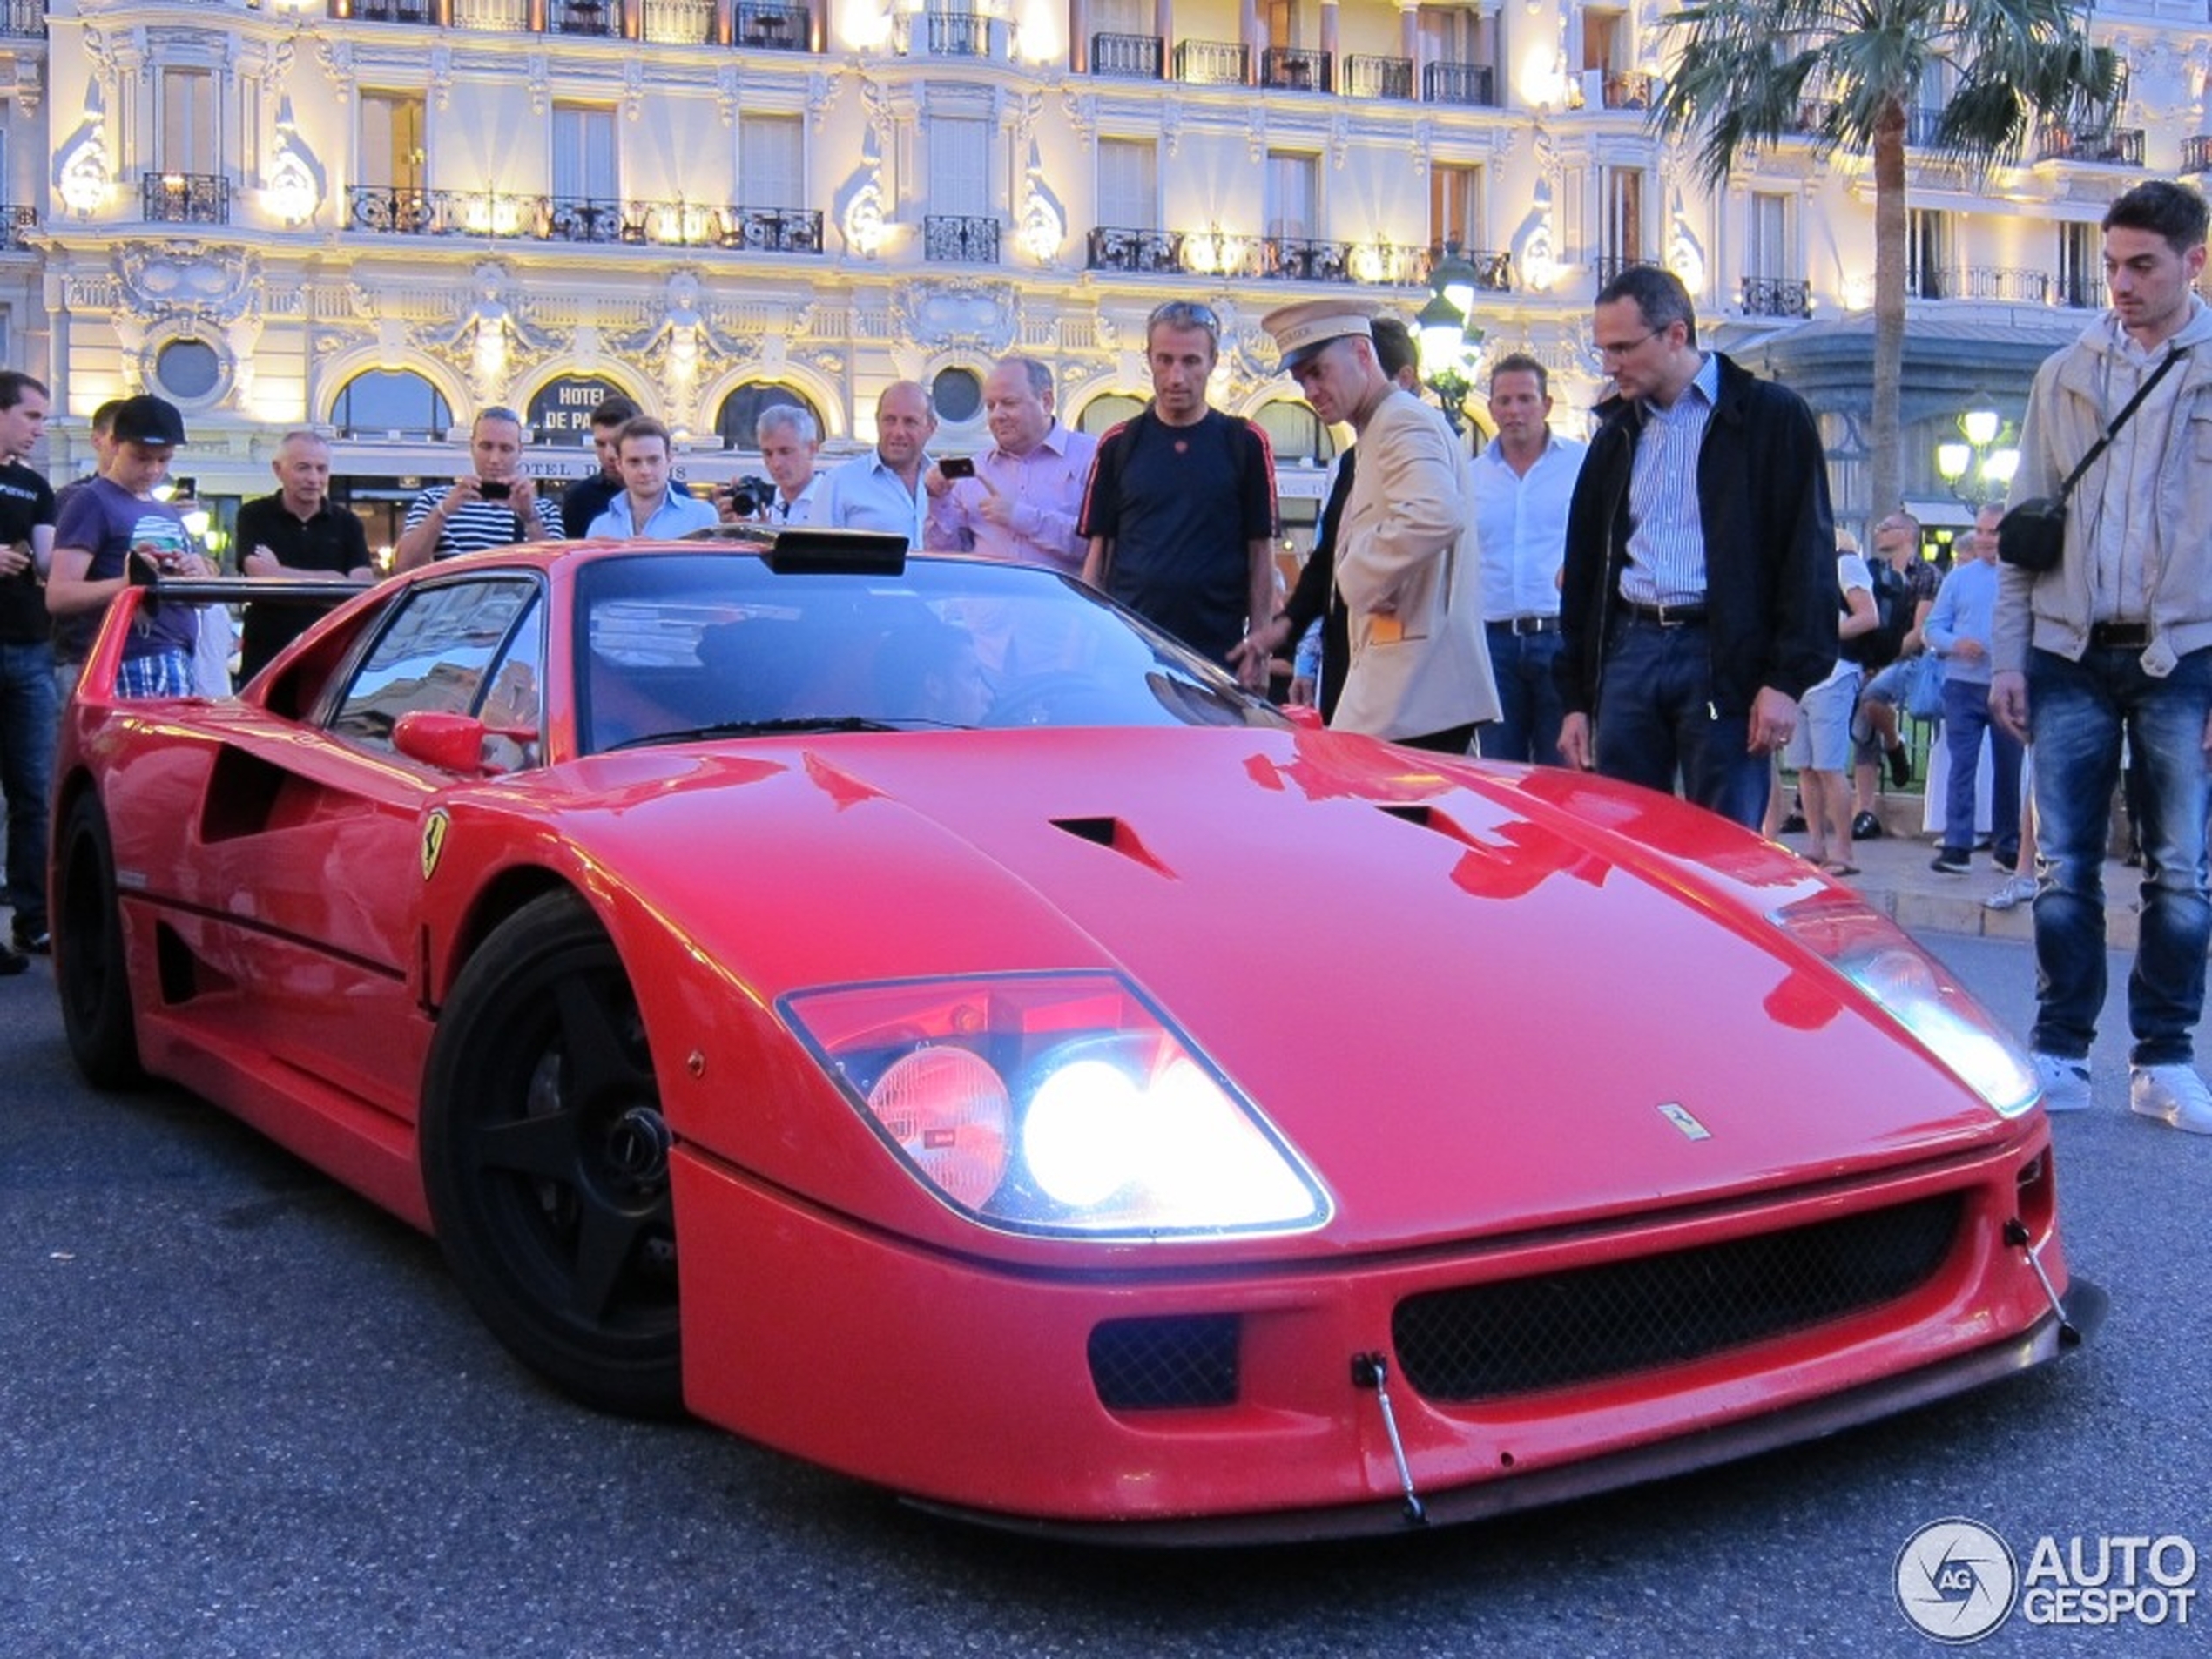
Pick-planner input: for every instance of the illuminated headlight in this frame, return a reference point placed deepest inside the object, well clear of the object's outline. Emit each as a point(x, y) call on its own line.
point(1057, 1103)
point(1914, 989)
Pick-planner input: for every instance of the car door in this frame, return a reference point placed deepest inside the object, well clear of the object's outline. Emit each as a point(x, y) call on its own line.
point(312, 861)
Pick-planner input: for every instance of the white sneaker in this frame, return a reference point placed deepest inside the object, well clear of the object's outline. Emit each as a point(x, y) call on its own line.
point(2011, 892)
point(2172, 1094)
point(2065, 1083)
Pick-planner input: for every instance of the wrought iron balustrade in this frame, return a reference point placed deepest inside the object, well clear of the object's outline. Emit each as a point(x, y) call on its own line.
point(966, 238)
point(14, 221)
point(773, 230)
point(1369, 77)
point(400, 211)
point(1606, 267)
point(1467, 83)
point(186, 197)
point(1213, 63)
point(1118, 248)
point(596, 17)
point(1296, 68)
point(421, 13)
point(1135, 58)
point(1776, 297)
point(2196, 154)
point(773, 28)
point(23, 19)
point(2116, 146)
point(1493, 270)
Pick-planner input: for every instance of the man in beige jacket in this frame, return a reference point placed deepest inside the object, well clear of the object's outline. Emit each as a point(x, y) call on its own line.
point(1406, 566)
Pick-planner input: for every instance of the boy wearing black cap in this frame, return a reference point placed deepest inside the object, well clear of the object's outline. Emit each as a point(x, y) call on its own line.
point(114, 519)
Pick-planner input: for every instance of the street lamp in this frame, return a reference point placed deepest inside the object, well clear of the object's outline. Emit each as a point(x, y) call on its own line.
point(1955, 460)
point(1446, 341)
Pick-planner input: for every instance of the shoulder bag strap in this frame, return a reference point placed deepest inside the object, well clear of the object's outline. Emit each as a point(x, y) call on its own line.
point(2119, 421)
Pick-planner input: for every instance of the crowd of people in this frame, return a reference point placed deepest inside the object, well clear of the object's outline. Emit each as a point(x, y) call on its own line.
point(1668, 604)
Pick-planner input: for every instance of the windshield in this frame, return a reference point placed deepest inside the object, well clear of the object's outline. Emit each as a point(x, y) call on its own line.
point(685, 645)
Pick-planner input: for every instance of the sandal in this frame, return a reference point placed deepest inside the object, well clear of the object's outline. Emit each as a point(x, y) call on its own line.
point(1836, 866)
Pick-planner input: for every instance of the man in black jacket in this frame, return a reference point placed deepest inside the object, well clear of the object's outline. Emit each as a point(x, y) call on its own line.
point(1698, 600)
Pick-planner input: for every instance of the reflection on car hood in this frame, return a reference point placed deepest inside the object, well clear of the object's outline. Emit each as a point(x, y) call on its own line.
point(1473, 997)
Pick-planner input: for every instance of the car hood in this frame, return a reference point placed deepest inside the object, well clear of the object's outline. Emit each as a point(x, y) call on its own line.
point(1477, 1000)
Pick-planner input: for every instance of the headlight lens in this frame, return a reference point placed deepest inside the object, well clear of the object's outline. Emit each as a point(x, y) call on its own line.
point(1057, 1103)
point(1915, 990)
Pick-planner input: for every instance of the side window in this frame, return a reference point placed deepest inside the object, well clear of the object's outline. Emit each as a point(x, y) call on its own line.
point(514, 700)
point(436, 653)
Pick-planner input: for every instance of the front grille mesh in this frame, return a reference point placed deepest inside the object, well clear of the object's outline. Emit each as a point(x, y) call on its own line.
point(1487, 1341)
point(1158, 1365)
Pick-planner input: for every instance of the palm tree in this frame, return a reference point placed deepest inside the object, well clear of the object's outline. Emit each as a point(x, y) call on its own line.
point(1848, 73)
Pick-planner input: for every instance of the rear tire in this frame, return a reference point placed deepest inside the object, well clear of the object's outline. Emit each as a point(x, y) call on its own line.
point(90, 971)
point(545, 1161)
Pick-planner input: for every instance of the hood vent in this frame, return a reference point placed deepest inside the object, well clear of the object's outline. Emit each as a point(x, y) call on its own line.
point(1113, 834)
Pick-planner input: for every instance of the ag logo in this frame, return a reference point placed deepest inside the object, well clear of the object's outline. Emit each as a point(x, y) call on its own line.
point(1955, 1581)
point(434, 841)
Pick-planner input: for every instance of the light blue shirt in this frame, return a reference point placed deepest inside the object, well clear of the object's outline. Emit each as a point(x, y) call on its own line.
point(1965, 607)
point(865, 495)
point(1521, 527)
point(676, 516)
point(1666, 535)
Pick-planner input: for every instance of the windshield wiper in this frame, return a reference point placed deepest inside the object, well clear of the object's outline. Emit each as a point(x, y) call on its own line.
point(763, 728)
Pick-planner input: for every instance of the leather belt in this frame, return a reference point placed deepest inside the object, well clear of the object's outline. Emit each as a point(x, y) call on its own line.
point(1674, 616)
point(1530, 625)
point(2119, 636)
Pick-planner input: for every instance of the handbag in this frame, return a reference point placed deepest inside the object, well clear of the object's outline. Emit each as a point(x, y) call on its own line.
point(2032, 536)
point(1923, 696)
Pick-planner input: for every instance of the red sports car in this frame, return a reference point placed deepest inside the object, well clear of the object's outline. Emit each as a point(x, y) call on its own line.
point(905, 1011)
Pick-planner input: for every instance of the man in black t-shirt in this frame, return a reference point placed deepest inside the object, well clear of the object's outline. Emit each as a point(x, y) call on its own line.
point(27, 709)
point(299, 535)
point(1180, 509)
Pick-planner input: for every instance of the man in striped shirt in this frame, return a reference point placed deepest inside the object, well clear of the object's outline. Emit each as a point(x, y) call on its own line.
point(496, 504)
point(1698, 599)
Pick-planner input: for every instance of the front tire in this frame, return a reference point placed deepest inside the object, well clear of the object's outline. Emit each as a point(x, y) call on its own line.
point(545, 1161)
point(90, 972)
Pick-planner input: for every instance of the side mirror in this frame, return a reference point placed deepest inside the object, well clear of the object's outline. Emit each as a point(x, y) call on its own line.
point(1304, 716)
point(449, 742)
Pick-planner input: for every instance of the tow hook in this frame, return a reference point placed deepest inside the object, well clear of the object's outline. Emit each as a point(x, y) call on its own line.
point(1373, 1371)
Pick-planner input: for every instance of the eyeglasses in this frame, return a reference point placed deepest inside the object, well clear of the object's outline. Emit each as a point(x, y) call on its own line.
point(1184, 313)
point(1614, 352)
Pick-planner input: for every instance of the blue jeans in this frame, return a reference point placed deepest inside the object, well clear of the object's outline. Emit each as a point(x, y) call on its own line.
point(1528, 707)
point(1655, 721)
point(29, 719)
point(1965, 718)
point(2077, 713)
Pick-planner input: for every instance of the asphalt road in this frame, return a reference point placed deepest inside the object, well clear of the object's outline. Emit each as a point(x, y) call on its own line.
point(243, 1413)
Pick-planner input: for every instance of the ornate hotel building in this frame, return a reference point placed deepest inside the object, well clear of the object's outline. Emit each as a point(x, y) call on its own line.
point(375, 216)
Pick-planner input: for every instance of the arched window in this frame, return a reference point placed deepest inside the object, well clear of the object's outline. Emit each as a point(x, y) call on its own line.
point(390, 403)
point(742, 409)
point(1110, 410)
point(1295, 433)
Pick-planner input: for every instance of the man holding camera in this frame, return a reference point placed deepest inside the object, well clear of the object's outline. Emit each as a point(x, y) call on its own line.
point(790, 439)
point(2113, 645)
point(496, 505)
point(1019, 500)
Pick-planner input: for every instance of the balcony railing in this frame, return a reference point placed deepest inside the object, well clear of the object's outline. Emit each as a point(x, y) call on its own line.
point(593, 18)
point(14, 221)
point(1606, 267)
point(962, 238)
point(773, 28)
point(2117, 146)
point(1469, 83)
point(1287, 259)
point(1366, 77)
point(186, 197)
point(1921, 126)
point(492, 17)
point(421, 12)
point(400, 212)
point(2196, 154)
point(1213, 63)
point(1492, 271)
point(948, 34)
point(1296, 68)
point(1135, 58)
point(679, 23)
point(23, 19)
point(1776, 297)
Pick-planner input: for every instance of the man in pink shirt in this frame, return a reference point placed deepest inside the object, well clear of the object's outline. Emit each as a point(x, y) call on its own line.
point(1022, 503)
